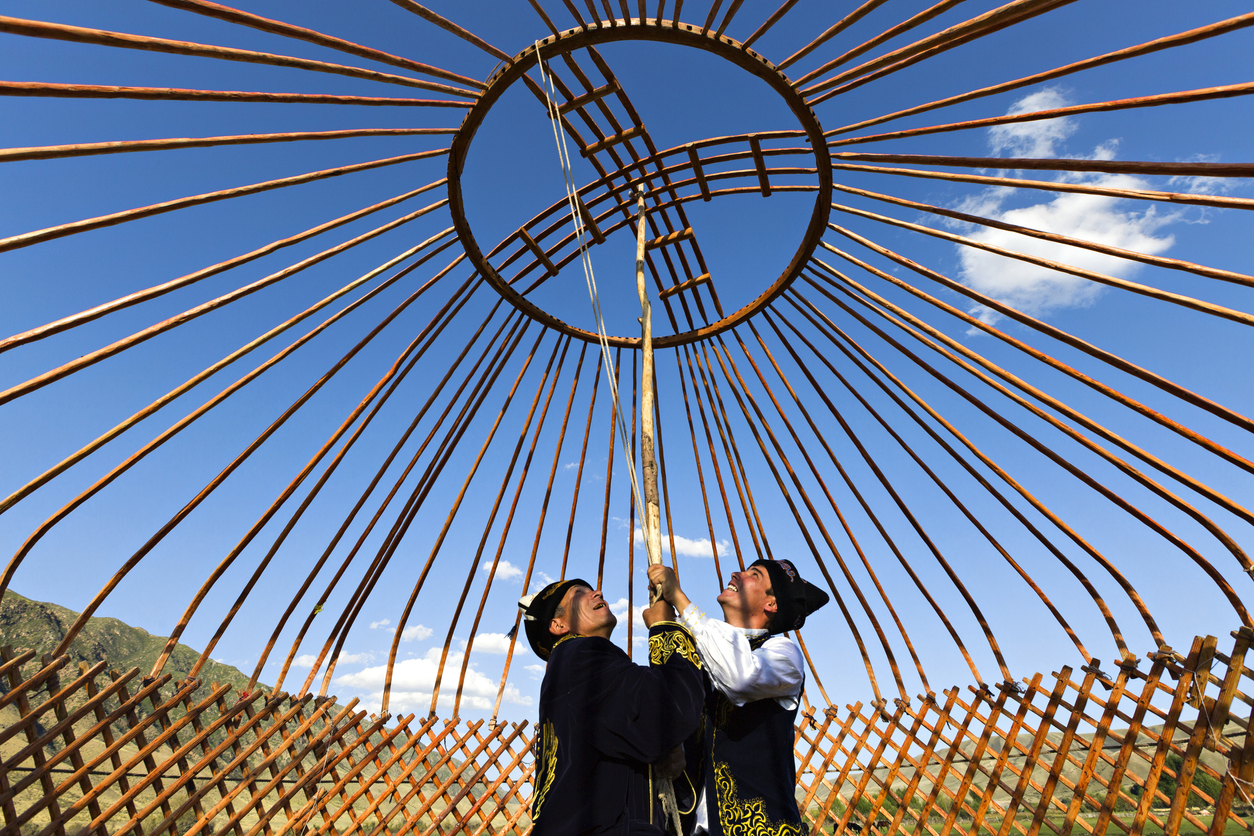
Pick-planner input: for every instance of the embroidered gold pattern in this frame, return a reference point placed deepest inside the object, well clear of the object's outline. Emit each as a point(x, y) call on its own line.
point(546, 761)
point(665, 645)
point(746, 818)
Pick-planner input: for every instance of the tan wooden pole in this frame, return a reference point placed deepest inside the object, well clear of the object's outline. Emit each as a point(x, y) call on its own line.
point(652, 515)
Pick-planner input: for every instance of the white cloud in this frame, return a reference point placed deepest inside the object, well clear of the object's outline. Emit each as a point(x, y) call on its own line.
point(1111, 221)
point(688, 548)
point(497, 643)
point(417, 632)
point(536, 671)
point(1039, 291)
point(382, 622)
point(539, 581)
point(306, 660)
point(570, 465)
point(504, 570)
point(1034, 139)
point(414, 679)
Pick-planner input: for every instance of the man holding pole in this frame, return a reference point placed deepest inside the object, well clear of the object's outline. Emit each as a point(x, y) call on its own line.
point(609, 731)
point(757, 673)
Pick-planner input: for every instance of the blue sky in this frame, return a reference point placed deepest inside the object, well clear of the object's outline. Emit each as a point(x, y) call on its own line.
point(512, 173)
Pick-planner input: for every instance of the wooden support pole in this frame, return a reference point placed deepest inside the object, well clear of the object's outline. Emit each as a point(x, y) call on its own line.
point(652, 519)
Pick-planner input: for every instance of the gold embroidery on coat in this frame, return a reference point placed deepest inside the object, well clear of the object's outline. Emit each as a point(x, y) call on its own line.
point(665, 645)
point(746, 818)
point(546, 761)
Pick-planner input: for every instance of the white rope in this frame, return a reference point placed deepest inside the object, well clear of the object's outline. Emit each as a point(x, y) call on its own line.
point(585, 258)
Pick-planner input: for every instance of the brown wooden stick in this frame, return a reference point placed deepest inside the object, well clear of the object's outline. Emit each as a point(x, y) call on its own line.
point(1203, 94)
point(82, 35)
point(900, 317)
point(448, 26)
point(84, 149)
point(39, 236)
point(1008, 14)
point(827, 328)
point(852, 17)
point(1044, 235)
point(164, 400)
point(560, 347)
point(204, 7)
point(1171, 41)
point(175, 94)
point(1091, 275)
point(1105, 356)
point(883, 37)
point(1092, 482)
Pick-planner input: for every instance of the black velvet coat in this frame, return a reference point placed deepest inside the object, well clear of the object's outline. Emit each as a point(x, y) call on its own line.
point(602, 721)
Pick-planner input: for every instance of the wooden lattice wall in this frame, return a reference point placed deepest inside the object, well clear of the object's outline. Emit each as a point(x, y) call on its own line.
point(1159, 747)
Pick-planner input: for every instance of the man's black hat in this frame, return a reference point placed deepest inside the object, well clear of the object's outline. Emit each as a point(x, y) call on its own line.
point(538, 610)
point(795, 598)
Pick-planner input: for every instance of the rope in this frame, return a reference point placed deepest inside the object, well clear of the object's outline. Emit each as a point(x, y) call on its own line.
point(585, 259)
point(665, 788)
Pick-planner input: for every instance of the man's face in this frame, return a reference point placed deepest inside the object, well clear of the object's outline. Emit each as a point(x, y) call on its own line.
point(747, 600)
point(583, 612)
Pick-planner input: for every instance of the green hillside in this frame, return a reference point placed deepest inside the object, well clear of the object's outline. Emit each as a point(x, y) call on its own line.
point(32, 624)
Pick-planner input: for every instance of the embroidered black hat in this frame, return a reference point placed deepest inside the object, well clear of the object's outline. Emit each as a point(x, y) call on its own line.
point(538, 609)
point(795, 598)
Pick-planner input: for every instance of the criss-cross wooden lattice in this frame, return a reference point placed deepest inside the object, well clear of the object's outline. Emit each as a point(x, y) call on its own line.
point(1161, 744)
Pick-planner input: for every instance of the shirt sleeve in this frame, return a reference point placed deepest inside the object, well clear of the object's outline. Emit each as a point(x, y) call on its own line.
point(743, 674)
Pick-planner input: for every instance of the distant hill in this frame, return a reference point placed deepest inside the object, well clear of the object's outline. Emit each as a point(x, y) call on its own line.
point(41, 627)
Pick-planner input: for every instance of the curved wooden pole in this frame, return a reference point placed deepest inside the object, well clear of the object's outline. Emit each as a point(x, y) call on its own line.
point(442, 317)
point(92, 314)
point(118, 346)
point(287, 30)
point(917, 20)
point(126, 146)
point(560, 348)
point(879, 304)
point(39, 236)
point(739, 383)
point(235, 463)
point(1191, 36)
point(1204, 94)
point(1223, 537)
point(1107, 357)
point(1216, 201)
point(387, 385)
point(535, 548)
point(994, 20)
point(7, 577)
point(1055, 238)
point(864, 9)
point(176, 94)
point(693, 370)
point(385, 503)
point(422, 490)
point(101, 37)
point(448, 26)
point(1180, 299)
point(700, 471)
point(888, 486)
point(863, 360)
point(448, 523)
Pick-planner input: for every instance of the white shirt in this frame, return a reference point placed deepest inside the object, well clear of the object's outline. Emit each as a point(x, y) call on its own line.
point(774, 671)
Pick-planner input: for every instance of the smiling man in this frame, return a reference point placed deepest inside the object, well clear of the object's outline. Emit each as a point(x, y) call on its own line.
point(749, 775)
point(608, 729)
